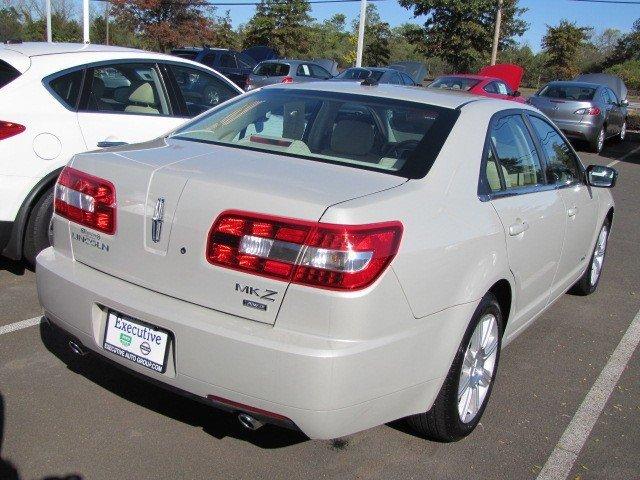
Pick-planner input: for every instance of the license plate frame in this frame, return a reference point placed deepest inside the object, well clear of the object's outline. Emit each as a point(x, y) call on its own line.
point(121, 341)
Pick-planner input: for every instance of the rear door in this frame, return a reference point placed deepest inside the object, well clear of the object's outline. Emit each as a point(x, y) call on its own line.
point(615, 117)
point(565, 171)
point(532, 212)
point(125, 102)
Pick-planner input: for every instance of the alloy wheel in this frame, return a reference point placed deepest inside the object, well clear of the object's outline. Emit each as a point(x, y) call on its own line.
point(478, 367)
point(623, 131)
point(601, 140)
point(598, 255)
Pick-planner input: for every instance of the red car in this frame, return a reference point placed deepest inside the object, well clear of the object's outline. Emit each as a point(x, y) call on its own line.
point(497, 81)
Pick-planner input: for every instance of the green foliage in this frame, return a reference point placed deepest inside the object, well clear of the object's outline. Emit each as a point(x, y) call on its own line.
point(461, 31)
point(535, 72)
point(62, 29)
point(562, 45)
point(330, 39)
point(282, 25)
point(10, 24)
point(629, 71)
point(377, 35)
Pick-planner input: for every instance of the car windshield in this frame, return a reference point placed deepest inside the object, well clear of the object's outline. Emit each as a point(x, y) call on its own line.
point(361, 131)
point(360, 74)
point(272, 69)
point(568, 92)
point(455, 83)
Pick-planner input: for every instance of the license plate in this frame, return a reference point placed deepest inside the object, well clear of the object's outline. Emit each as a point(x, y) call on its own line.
point(143, 344)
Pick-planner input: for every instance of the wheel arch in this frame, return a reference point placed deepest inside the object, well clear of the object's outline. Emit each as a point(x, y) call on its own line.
point(504, 294)
point(13, 249)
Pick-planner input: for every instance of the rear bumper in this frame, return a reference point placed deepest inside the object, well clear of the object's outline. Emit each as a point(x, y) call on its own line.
point(579, 131)
point(291, 374)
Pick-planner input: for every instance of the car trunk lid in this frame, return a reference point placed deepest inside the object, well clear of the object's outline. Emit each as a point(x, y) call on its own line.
point(559, 109)
point(193, 190)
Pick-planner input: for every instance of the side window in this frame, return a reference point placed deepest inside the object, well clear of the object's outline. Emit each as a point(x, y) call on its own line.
point(407, 79)
point(209, 60)
point(502, 88)
point(228, 61)
point(200, 90)
point(318, 72)
point(491, 88)
point(516, 153)
point(67, 88)
point(395, 79)
point(303, 70)
point(613, 99)
point(491, 171)
point(244, 61)
point(127, 88)
point(562, 165)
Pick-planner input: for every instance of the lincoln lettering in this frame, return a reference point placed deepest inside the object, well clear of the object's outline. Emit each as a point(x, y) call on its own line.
point(92, 242)
point(140, 332)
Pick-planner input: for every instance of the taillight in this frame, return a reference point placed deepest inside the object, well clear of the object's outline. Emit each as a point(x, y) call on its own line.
point(9, 129)
point(287, 79)
point(340, 257)
point(87, 200)
point(593, 111)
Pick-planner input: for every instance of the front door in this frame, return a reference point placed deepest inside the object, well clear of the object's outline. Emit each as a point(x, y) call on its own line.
point(532, 214)
point(565, 171)
point(125, 103)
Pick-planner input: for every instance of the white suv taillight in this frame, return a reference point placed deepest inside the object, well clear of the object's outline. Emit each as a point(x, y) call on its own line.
point(86, 199)
point(340, 257)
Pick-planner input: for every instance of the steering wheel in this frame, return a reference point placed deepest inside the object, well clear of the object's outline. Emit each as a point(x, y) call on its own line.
point(401, 150)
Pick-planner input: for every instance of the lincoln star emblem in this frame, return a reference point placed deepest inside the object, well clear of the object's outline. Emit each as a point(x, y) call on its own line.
point(156, 220)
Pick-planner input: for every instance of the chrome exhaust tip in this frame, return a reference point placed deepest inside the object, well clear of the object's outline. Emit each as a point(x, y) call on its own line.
point(77, 348)
point(248, 422)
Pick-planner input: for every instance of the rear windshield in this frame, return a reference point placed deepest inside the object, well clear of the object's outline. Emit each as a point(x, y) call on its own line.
point(568, 92)
point(7, 73)
point(360, 74)
point(455, 83)
point(272, 69)
point(188, 54)
point(372, 133)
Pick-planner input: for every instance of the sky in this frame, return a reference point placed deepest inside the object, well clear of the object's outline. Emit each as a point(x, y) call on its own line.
point(539, 14)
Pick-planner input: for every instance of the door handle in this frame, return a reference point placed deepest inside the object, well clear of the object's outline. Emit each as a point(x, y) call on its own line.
point(573, 211)
point(106, 143)
point(519, 227)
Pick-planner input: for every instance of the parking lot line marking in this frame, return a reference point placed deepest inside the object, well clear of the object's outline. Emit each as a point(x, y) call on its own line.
point(12, 327)
point(561, 460)
point(624, 157)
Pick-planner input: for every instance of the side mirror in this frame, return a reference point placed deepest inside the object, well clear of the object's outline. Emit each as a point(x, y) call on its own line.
point(624, 103)
point(601, 176)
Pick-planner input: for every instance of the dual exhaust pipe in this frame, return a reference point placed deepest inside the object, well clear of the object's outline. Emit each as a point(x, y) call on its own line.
point(246, 421)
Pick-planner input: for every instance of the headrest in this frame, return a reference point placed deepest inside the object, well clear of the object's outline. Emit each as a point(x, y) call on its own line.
point(352, 137)
point(143, 94)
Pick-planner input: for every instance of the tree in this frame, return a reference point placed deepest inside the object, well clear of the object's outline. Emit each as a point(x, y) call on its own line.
point(164, 24)
point(562, 43)
point(377, 35)
point(330, 39)
point(283, 25)
point(10, 24)
point(461, 31)
point(535, 72)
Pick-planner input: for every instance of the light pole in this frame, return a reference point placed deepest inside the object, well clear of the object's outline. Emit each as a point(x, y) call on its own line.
point(363, 19)
point(496, 33)
point(48, 10)
point(85, 21)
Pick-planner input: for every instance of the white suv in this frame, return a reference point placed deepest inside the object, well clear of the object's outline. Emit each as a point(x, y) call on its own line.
point(61, 99)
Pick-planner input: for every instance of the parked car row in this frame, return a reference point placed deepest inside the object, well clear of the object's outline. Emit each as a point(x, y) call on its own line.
point(273, 256)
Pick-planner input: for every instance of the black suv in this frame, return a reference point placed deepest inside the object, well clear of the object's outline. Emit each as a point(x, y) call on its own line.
point(234, 65)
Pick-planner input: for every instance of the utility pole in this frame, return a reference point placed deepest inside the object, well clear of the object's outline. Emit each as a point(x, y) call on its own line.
point(48, 9)
point(85, 20)
point(496, 34)
point(107, 13)
point(363, 19)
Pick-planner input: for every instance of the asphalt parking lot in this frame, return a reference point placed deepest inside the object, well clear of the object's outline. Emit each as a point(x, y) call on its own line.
point(64, 415)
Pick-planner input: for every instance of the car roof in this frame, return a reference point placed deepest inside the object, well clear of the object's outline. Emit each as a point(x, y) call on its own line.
point(435, 97)
point(572, 83)
point(34, 49)
point(468, 75)
point(200, 49)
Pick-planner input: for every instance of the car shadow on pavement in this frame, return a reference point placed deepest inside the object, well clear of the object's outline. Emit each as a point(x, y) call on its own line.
point(114, 378)
point(614, 150)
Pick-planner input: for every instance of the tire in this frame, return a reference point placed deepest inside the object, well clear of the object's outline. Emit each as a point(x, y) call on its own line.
point(588, 282)
point(597, 143)
point(36, 236)
point(444, 422)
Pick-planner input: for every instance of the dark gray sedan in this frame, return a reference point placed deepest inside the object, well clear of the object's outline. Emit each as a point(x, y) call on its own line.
point(270, 72)
point(375, 74)
point(584, 111)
